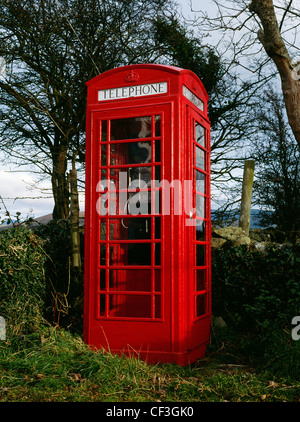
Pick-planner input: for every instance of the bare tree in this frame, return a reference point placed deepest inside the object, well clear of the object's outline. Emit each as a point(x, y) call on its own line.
point(276, 25)
point(231, 99)
point(274, 45)
point(51, 49)
point(277, 184)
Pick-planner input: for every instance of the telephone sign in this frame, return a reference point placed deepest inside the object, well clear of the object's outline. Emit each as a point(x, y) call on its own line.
point(132, 91)
point(147, 224)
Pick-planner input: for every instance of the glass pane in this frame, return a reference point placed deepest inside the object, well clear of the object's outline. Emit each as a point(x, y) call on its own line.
point(131, 128)
point(200, 134)
point(157, 209)
point(157, 306)
point(158, 280)
point(102, 279)
point(124, 203)
point(201, 307)
point(200, 158)
point(116, 230)
point(193, 98)
point(157, 228)
point(131, 178)
point(103, 255)
point(200, 201)
point(130, 280)
point(104, 131)
point(104, 186)
point(130, 254)
point(200, 255)
point(200, 230)
point(157, 152)
point(104, 155)
point(200, 280)
point(200, 182)
point(157, 173)
point(103, 174)
point(107, 204)
point(139, 203)
point(134, 306)
point(139, 177)
point(157, 126)
point(157, 254)
point(130, 153)
point(102, 229)
point(130, 228)
point(102, 305)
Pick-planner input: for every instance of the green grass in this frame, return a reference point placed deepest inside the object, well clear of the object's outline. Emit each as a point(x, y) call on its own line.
point(54, 365)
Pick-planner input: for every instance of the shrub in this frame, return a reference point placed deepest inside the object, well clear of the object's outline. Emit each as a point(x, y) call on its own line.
point(64, 300)
point(255, 290)
point(57, 244)
point(257, 294)
point(22, 287)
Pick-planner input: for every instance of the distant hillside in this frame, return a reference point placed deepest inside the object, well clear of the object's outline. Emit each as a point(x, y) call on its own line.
point(45, 219)
point(254, 219)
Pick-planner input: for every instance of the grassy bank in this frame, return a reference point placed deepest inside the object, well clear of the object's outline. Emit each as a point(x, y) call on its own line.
point(53, 365)
point(252, 359)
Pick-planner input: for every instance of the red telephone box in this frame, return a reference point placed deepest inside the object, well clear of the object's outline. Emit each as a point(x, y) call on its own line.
point(147, 224)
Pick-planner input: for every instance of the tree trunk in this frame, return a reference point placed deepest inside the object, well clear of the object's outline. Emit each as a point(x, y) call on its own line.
point(274, 46)
point(60, 186)
point(245, 213)
point(74, 220)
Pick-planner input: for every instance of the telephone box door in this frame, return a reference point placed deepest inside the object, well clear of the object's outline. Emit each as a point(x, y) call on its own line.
point(198, 135)
point(130, 284)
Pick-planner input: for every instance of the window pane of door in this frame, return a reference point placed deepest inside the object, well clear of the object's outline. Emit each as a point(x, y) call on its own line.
point(200, 134)
point(131, 128)
point(200, 158)
point(200, 181)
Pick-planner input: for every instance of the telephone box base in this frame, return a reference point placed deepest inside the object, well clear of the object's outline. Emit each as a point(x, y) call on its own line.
point(154, 357)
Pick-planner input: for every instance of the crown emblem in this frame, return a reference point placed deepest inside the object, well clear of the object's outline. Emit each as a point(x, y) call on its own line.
point(132, 77)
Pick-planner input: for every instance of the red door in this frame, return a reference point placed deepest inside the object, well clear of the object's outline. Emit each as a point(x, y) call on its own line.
point(200, 253)
point(129, 290)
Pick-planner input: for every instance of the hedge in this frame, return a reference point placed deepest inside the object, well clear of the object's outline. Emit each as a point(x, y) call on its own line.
point(22, 280)
point(254, 289)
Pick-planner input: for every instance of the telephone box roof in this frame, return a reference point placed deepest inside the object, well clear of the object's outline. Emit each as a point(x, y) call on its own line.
point(147, 66)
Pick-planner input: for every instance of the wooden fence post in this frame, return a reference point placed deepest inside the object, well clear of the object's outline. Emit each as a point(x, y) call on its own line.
point(245, 212)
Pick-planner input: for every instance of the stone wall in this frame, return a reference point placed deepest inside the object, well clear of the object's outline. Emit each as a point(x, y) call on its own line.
point(235, 236)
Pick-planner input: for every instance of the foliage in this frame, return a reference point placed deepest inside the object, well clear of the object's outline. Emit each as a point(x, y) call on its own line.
point(187, 51)
point(257, 294)
point(253, 290)
point(22, 287)
point(64, 297)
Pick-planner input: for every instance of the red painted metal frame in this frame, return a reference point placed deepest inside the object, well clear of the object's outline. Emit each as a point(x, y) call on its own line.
point(180, 332)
